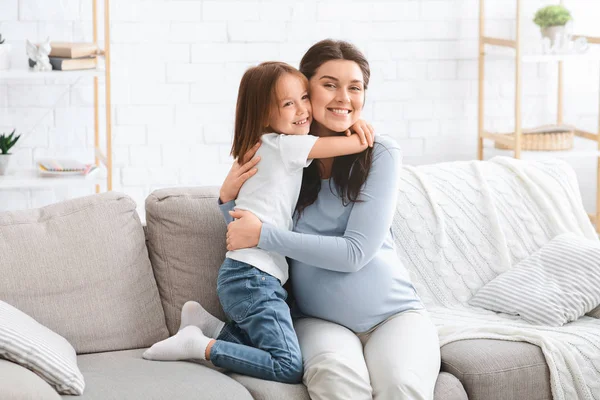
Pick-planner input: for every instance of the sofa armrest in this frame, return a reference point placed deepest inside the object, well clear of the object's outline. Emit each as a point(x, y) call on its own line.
point(498, 369)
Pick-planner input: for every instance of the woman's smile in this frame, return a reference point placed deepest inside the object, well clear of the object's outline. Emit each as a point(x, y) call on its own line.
point(340, 112)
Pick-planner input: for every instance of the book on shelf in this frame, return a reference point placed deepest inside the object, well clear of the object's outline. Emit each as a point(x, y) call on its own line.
point(73, 49)
point(71, 64)
point(63, 167)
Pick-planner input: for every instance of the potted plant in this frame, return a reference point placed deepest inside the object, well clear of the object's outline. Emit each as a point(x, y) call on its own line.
point(6, 143)
point(552, 21)
point(4, 54)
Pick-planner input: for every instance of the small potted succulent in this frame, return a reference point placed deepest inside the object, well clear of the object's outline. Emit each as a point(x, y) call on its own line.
point(6, 143)
point(552, 21)
point(4, 54)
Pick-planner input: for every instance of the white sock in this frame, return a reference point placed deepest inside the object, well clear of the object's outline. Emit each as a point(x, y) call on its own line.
point(192, 313)
point(188, 343)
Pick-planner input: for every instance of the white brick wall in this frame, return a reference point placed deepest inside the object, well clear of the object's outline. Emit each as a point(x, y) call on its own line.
point(177, 64)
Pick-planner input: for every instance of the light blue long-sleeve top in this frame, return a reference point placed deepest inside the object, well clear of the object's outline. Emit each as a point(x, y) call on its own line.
point(344, 266)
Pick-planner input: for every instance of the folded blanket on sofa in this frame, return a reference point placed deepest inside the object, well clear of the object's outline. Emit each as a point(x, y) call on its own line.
point(461, 224)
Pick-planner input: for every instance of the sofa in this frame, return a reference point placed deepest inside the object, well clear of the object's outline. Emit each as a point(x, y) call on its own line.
point(89, 270)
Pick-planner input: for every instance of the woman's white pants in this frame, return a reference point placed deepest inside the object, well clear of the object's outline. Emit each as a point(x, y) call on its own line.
point(399, 359)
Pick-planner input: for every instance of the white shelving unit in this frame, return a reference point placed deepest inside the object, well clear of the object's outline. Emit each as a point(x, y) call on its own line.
point(30, 178)
point(586, 144)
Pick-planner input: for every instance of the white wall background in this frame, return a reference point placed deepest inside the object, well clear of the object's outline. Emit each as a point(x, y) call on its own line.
point(177, 64)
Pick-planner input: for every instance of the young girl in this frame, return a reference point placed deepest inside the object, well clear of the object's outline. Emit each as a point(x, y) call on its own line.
point(273, 107)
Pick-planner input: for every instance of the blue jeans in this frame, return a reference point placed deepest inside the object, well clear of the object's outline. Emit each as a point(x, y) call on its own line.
point(259, 340)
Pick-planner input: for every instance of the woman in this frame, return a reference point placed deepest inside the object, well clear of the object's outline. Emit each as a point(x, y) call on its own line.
point(365, 334)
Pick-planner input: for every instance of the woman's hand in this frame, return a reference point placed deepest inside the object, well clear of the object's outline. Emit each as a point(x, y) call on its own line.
point(244, 231)
point(239, 173)
point(364, 130)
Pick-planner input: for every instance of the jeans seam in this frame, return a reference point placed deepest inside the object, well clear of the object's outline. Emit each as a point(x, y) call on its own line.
point(239, 361)
point(285, 338)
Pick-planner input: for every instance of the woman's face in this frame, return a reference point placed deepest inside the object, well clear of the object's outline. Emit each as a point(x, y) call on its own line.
point(337, 95)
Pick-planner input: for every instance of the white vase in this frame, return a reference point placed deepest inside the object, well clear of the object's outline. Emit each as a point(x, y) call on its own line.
point(553, 32)
point(4, 160)
point(5, 56)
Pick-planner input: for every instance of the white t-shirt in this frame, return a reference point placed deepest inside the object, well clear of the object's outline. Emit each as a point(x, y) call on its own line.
point(272, 194)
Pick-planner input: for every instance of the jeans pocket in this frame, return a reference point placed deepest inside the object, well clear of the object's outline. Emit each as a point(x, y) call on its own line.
point(235, 296)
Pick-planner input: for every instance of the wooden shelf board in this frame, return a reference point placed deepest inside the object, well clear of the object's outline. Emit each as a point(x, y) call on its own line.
point(581, 148)
point(540, 58)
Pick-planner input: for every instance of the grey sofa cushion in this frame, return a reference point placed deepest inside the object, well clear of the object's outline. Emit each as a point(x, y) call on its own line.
point(126, 375)
point(269, 390)
point(498, 370)
point(19, 383)
point(81, 269)
point(186, 242)
point(448, 387)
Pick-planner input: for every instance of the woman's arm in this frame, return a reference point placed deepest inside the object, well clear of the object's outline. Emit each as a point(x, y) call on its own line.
point(368, 224)
point(240, 172)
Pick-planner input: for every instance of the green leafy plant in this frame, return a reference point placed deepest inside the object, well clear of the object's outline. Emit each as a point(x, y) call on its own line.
point(552, 16)
point(1, 39)
point(6, 142)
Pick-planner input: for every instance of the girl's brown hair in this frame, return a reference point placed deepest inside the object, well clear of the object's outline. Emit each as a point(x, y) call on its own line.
point(257, 97)
point(350, 172)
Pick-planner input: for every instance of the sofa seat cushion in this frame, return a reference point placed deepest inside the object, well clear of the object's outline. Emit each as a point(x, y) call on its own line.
point(185, 234)
point(269, 390)
point(126, 375)
point(448, 387)
point(498, 370)
point(17, 382)
point(81, 268)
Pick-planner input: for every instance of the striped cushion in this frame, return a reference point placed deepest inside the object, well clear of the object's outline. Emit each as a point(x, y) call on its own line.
point(26, 342)
point(558, 283)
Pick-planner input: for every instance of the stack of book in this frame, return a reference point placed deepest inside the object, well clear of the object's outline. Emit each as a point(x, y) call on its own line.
point(69, 56)
point(64, 167)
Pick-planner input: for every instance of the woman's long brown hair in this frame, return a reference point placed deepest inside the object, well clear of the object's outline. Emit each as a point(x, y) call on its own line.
point(257, 97)
point(350, 172)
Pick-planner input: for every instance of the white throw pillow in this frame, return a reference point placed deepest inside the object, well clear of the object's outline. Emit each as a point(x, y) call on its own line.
point(557, 284)
point(28, 343)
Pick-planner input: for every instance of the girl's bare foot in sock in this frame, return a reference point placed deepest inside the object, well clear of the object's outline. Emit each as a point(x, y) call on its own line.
point(188, 343)
point(192, 313)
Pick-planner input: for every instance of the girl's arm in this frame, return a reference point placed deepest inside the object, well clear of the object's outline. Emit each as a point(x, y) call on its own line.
point(368, 224)
point(338, 146)
point(364, 130)
point(334, 146)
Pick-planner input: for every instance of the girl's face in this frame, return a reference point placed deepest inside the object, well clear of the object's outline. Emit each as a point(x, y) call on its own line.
point(337, 95)
point(292, 113)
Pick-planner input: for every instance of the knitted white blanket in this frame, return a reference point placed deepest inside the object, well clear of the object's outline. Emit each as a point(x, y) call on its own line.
point(458, 225)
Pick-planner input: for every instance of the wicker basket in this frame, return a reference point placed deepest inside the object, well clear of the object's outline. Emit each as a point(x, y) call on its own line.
point(553, 139)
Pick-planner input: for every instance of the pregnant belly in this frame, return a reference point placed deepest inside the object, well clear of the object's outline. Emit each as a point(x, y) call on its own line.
point(356, 300)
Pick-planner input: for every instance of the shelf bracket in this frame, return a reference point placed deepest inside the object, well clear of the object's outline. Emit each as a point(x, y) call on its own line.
point(586, 135)
point(499, 42)
point(500, 138)
point(100, 155)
